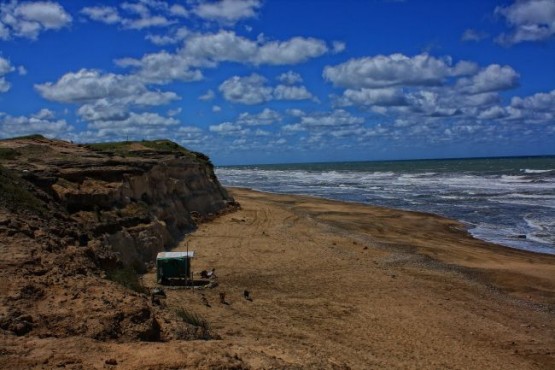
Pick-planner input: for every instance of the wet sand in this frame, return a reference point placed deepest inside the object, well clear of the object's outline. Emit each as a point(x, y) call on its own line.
point(338, 285)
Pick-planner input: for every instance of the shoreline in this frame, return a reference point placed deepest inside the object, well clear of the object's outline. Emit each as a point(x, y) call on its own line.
point(497, 263)
point(463, 223)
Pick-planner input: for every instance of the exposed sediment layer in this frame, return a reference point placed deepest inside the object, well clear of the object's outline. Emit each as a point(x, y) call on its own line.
point(71, 215)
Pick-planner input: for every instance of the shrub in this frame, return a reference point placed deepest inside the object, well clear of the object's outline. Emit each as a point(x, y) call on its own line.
point(197, 321)
point(128, 277)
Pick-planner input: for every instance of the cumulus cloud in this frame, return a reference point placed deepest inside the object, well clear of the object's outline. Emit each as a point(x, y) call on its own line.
point(135, 15)
point(226, 128)
point(492, 78)
point(90, 85)
point(253, 90)
point(135, 121)
point(372, 97)
point(208, 95)
point(174, 36)
point(104, 14)
point(529, 20)
point(5, 68)
point(227, 46)
point(473, 35)
point(227, 11)
point(264, 118)
point(163, 67)
point(290, 78)
point(208, 50)
point(107, 98)
point(43, 122)
point(29, 19)
point(395, 70)
point(246, 90)
point(335, 119)
point(286, 92)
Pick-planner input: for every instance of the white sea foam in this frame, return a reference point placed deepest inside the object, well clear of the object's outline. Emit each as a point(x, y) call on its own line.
point(526, 170)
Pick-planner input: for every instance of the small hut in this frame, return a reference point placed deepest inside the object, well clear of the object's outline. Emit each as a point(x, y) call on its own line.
point(173, 265)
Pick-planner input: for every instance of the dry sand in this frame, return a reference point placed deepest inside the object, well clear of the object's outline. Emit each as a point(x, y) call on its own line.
point(338, 285)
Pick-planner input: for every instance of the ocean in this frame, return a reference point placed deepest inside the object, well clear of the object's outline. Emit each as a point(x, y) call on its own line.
point(508, 201)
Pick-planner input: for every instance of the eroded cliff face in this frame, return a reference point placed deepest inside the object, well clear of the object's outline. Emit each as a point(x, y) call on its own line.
point(70, 215)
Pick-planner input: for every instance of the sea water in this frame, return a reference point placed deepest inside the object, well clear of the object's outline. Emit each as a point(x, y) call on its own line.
point(508, 201)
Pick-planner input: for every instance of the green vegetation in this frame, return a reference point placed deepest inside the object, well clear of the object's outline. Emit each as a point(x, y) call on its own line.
point(30, 137)
point(8, 153)
point(15, 193)
point(197, 321)
point(128, 277)
point(135, 148)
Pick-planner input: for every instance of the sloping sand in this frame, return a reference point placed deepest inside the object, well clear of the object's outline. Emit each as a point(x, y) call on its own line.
point(338, 285)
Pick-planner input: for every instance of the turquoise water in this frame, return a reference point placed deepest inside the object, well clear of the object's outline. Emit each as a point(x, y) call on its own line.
point(509, 201)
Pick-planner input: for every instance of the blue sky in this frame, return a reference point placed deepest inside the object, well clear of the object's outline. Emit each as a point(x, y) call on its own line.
point(252, 81)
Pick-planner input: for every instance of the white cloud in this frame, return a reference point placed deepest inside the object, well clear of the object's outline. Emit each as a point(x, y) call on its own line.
point(179, 11)
point(89, 85)
point(284, 92)
point(28, 19)
point(338, 47)
point(134, 121)
point(42, 122)
point(137, 15)
point(538, 101)
point(431, 103)
point(216, 108)
point(494, 112)
point(253, 90)
point(293, 51)
point(5, 68)
point(530, 20)
point(226, 46)
point(175, 36)
point(295, 112)
point(492, 78)
point(395, 70)
point(246, 90)
point(104, 14)
point(226, 128)
point(163, 67)
point(227, 11)
point(44, 114)
point(207, 96)
point(334, 119)
point(266, 117)
point(105, 98)
point(371, 97)
point(208, 50)
point(473, 35)
point(290, 78)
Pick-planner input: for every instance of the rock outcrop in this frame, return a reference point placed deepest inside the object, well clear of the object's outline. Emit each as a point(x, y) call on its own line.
point(76, 218)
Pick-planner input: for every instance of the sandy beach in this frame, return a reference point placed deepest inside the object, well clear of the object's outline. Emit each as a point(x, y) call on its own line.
point(338, 285)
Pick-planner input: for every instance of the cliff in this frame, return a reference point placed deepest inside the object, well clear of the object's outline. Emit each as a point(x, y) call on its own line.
point(77, 219)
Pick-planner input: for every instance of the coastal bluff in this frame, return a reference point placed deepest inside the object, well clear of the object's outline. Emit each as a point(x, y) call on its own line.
point(77, 219)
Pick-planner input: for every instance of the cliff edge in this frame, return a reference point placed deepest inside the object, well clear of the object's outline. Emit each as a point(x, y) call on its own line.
point(78, 221)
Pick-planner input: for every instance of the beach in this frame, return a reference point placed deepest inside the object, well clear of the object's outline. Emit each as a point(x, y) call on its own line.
point(337, 285)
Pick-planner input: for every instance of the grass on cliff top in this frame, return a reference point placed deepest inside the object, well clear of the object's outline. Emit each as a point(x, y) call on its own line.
point(133, 148)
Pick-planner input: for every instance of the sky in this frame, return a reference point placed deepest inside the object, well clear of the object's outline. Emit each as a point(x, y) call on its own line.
point(280, 81)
